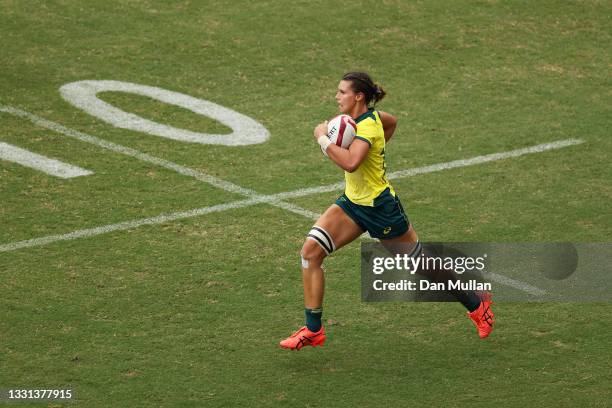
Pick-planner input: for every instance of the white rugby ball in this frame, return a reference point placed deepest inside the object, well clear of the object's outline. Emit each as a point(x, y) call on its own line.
point(341, 131)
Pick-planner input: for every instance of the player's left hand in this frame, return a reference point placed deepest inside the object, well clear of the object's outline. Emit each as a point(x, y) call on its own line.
point(320, 130)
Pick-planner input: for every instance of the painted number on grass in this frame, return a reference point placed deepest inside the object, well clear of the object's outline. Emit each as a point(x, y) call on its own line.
point(83, 95)
point(41, 163)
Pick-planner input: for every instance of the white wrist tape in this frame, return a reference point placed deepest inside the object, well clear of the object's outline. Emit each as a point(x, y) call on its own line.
point(324, 142)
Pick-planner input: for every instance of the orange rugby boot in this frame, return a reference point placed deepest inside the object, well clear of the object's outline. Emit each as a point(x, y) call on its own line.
point(304, 337)
point(483, 316)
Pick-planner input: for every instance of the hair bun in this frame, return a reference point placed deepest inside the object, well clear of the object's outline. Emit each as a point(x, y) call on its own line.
point(362, 82)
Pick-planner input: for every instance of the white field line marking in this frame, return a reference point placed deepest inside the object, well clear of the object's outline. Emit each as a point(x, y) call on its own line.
point(486, 158)
point(257, 200)
point(439, 167)
point(127, 151)
point(122, 226)
point(525, 287)
point(41, 163)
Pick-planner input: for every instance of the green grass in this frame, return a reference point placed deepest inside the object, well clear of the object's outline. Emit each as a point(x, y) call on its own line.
point(189, 313)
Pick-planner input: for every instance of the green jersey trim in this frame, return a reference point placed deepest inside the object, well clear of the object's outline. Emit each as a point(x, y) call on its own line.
point(364, 139)
point(365, 115)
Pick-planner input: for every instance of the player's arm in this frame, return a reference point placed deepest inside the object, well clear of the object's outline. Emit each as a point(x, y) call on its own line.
point(347, 159)
point(389, 123)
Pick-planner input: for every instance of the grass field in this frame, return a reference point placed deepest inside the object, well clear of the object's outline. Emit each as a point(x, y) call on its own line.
point(187, 309)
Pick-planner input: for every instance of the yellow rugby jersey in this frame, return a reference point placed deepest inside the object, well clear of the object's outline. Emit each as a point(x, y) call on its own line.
point(370, 179)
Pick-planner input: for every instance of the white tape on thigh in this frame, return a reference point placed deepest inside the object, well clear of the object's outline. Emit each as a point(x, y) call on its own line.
point(305, 263)
point(323, 238)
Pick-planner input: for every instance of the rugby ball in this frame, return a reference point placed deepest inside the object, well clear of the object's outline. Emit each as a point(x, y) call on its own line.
point(341, 131)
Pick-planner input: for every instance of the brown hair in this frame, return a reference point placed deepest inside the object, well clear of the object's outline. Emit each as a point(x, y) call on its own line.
point(362, 82)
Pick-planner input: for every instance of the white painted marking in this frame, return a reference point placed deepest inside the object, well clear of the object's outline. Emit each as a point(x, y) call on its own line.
point(517, 284)
point(127, 151)
point(486, 158)
point(83, 95)
point(224, 207)
point(122, 226)
point(41, 163)
point(440, 166)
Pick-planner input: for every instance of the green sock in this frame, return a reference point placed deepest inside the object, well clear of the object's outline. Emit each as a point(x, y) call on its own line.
point(313, 319)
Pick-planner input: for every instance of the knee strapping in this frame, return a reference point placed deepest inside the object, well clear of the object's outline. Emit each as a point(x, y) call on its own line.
point(323, 238)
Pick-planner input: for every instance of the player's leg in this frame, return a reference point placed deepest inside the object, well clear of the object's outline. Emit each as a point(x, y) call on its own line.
point(333, 230)
point(399, 237)
point(478, 305)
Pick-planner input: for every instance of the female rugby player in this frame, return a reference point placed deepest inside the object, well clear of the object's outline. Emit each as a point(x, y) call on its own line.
point(369, 203)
